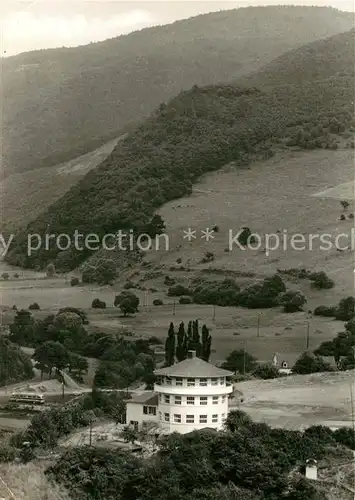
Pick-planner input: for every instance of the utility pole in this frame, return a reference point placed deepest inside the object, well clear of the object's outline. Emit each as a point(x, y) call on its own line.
point(244, 352)
point(174, 308)
point(258, 334)
point(214, 313)
point(90, 433)
point(352, 410)
point(307, 334)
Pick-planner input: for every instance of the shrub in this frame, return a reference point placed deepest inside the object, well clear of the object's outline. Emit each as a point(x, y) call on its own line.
point(34, 307)
point(327, 312)
point(129, 285)
point(208, 257)
point(178, 291)
point(98, 304)
point(154, 340)
point(266, 372)
point(179, 260)
point(351, 216)
point(5, 276)
point(50, 270)
point(128, 302)
point(158, 302)
point(309, 363)
point(16, 275)
point(292, 301)
point(321, 281)
point(185, 300)
point(346, 309)
point(342, 217)
point(169, 281)
point(74, 281)
point(262, 295)
point(219, 293)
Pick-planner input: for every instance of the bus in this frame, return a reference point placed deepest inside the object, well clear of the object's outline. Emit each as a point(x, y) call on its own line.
point(29, 398)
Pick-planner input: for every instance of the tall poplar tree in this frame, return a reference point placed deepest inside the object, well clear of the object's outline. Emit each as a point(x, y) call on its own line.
point(206, 344)
point(180, 348)
point(170, 346)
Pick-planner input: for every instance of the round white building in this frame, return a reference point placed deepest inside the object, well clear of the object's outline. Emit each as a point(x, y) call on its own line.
point(193, 394)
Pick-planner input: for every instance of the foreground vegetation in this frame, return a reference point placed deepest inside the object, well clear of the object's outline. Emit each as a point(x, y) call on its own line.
point(247, 460)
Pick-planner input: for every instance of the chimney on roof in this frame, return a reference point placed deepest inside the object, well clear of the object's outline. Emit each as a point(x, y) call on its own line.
point(191, 354)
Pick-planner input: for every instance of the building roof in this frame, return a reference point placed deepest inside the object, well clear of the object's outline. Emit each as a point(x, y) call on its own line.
point(149, 398)
point(193, 368)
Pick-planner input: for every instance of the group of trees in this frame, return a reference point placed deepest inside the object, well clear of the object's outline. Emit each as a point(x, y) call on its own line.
point(344, 311)
point(61, 341)
point(342, 348)
point(15, 365)
point(271, 292)
point(179, 343)
point(247, 460)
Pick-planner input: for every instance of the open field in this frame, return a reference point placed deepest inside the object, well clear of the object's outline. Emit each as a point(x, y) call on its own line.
point(344, 191)
point(299, 401)
point(24, 196)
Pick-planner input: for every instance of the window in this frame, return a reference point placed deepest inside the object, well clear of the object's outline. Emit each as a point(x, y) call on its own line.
point(190, 382)
point(203, 400)
point(178, 400)
point(177, 418)
point(203, 419)
point(214, 419)
point(161, 398)
point(214, 381)
point(178, 381)
point(168, 380)
point(223, 399)
point(190, 419)
point(160, 415)
point(167, 399)
point(149, 410)
point(190, 400)
point(203, 381)
point(166, 417)
point(221, 381)
point(215, 400)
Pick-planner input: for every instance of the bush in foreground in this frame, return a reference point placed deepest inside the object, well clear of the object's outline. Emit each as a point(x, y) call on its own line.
point(34, 307)
point(98, 304)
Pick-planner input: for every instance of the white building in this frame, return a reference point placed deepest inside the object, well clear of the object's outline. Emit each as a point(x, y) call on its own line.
point(189, 395)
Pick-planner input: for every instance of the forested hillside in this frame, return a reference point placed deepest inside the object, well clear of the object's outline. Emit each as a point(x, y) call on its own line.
point(309, 62)
point(198, 131)
point(61, 103)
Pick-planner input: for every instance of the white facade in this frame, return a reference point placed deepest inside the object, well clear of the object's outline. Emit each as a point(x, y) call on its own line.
point(187, 404)
point(188, 396)
point(142, 409)
point(193, 394)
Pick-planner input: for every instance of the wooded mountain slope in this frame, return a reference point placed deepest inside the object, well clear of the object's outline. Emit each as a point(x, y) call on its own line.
point(61, 103)
point(198, 131)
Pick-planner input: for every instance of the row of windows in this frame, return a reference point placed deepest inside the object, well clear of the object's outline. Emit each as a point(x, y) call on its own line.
point(190, 419)
point(191, 400)
point(192, 382)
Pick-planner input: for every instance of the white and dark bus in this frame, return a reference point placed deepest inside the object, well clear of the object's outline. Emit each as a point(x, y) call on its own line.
point(29, 398)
